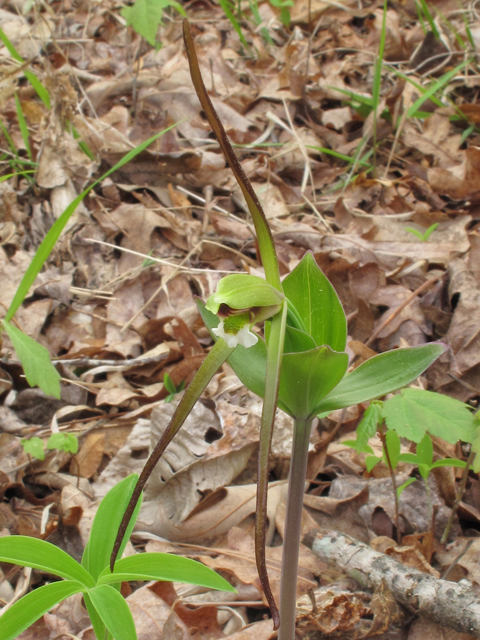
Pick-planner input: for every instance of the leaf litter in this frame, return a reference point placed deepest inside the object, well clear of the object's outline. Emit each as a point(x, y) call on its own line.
point(115, 304)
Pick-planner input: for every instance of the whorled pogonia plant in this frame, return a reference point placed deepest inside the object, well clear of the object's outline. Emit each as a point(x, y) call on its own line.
point(300, 366)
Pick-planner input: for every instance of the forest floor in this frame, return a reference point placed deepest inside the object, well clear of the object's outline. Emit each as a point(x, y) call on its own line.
point(384, 190)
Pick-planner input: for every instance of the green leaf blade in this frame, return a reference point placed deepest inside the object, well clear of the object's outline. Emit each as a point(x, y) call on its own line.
point(96, 556)
point(46, 247)
point(114, 612)
point(317, 303)
point(415, 412)
point(35, 360)
point(164, 566)
point(32, 606)
point(382, 374)
point(307, 377)
point(32, 552)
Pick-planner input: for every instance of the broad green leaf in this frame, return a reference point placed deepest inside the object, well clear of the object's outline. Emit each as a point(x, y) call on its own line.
point(295, 340)
point(307, 377)
point(34, 447)
point(52, 236)
point(425, 450)
point(96, 556)
point(382, 374)
point(372, 461)
point(393, 447)
point(114, 612)
point(369, 423)
point(317, 303)
point(32, 552)
point(403, 486)
point(414, 412)
point(35, 360)
point(32, 606)
point(164, 566)
point(145, 16)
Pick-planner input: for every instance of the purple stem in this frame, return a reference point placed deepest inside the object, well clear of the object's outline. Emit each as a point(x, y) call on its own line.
point(293, 526)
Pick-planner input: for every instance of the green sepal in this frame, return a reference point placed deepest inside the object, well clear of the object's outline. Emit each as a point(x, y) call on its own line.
point(242, 291)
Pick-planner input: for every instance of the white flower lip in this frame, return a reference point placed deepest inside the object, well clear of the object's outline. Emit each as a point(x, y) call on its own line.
point(244, 337)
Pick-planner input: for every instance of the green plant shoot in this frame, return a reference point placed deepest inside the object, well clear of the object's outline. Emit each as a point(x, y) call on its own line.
point(99, 586)
point(423, 237)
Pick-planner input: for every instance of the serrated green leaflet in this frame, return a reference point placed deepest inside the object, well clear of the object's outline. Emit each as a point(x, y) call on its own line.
point(35, 360)
point(382, 374)
point(32, 552)
point(163, 566)
point(368, 425)
point(414, 412)
point(114, 612)
point(32, 606)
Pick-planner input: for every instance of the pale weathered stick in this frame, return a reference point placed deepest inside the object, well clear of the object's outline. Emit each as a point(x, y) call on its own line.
point(450, 604)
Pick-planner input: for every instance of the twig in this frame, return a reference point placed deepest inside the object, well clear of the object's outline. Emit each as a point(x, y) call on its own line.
point(450, 604)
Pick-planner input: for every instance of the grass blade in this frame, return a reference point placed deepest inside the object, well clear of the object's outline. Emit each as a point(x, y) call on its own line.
point(52, 236)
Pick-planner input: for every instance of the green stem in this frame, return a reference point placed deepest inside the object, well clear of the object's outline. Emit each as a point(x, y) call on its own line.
point(214, 360)
point(293, 527)
point(272, 380)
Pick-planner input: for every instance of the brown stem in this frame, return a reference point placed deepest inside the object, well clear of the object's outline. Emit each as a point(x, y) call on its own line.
point(394, 484)
point(217, 356)
point(458, 498)
point(293, 528)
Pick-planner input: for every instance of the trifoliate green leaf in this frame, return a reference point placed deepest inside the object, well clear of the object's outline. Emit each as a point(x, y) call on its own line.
point(414, 412)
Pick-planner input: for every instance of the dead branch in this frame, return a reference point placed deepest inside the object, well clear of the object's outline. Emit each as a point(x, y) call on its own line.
point(449, 604)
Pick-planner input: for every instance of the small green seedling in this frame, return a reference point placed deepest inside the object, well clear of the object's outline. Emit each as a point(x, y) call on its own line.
point(33, 447)
point(66, 442)
point(414, 414)
point(171, 388)
point(100, 587)
point(423, 237)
